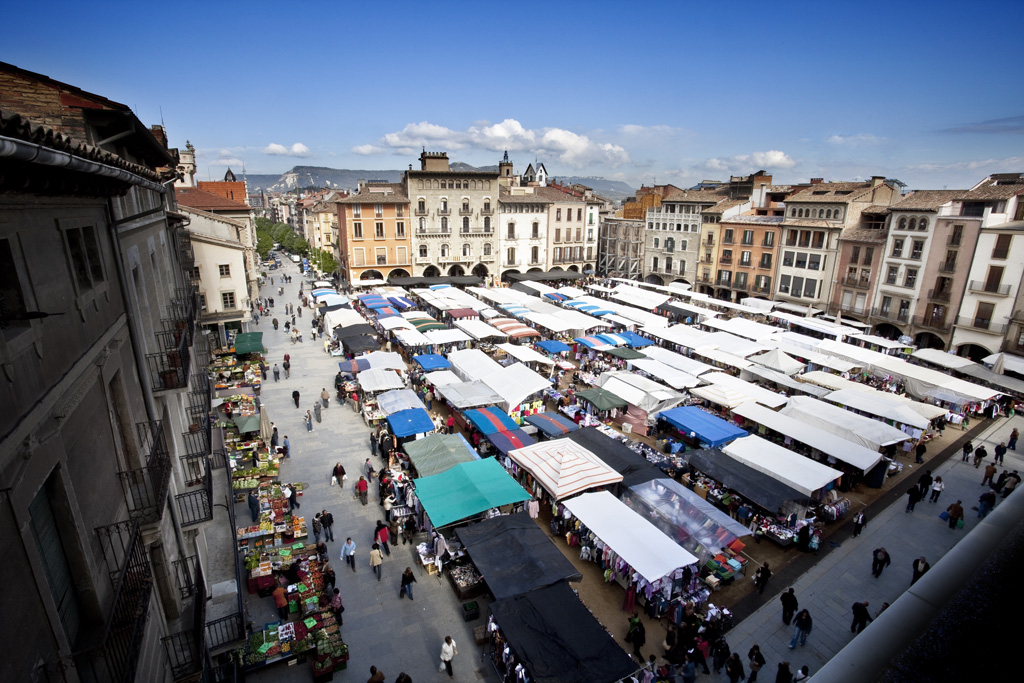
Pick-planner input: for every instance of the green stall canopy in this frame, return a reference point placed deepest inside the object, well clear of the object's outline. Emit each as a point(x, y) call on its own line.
point(601, 399)
point(624, 353)
point(438, 453)
point(247, 423)
point(248, 342)
point(466, 490)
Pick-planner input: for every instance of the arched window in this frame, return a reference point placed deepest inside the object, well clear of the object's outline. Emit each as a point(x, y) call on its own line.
point(821, 213)
point(465, 224)
point(922, 223)
point(437, 185)
point(913, 224)
point(657, 242)
point(902, 225)
point(839, 214)
point(444, 223)
point(423, 224)
point(670, 244)
point(444, 203)
point(423, 251)
point(487, 223)
point(444, 251)
point(487, 248)
point(419, 184)
point(828, 213)
point(679, 227)
point(466, 250)
point(668, 264)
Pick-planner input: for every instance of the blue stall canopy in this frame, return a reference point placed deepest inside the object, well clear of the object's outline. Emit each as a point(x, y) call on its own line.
point(554, 346)
point(552, 424)
point(711, 430)
point(354, 365)
point(432, 361)
point(510, 440)
point(466, 490)
point(401, 302)
point(410, 421)
point(634, 340)
point(490, 420)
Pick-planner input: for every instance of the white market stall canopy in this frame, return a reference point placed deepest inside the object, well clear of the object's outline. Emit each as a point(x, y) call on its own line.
point(525, 354)
point(833, 382)
point(683, 335)
point(446, 336)
point(722, 357)
point(1010, 362)
point(803, 474)
point(854, 454)
point(698, 297)
point(722, 396)
point(471, 364)
point(571, 292)
point(756, 393)
point(440, 378)
point(778, 361)
point(395, 322)
point(943, 359)
point(514, 383)
point(564, 467)
point(816, 324)
point(376, 379)
point(638, 391)
point(882, 342)
point(730, 343)
point(342, 317)
point(763, 373)
point(691, 309)
point(841, 422)
point(641, 298)
point(742, 327)
point(880, 406)
point(478, 329)
point(677, 379)
point(631, 314)
point(385, 360)
point(410, 337)
point(398, 400)
point(638, 542)
point(464, 395)
point(676, 360)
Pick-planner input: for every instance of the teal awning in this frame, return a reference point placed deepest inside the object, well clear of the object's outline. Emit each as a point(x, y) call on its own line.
point(439, 453)
point(466, 490)
point(601, 399)
point(248, 342)
point(247, 423)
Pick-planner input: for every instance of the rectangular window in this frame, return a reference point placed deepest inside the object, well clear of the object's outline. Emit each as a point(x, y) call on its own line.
point(579, 214)
point(511, 256)
point(916, 249)
point(381, 255)
point(727, 238)
point(886, 305)
point(784, 284)
point(814, 261)
point(766, 260)
point(359, 256)
point(378, 210)
point(400, 230)
point(791, 238)
point(744, 258)
point(357, 210)
point(897, 248)
point(788, 258)
point(957, 236)
point(227, 300)
point(892, 274)
point(579, 234)
point(869, 253)
point(84, 251)
point(855, 254)
point(748, 237)
point(378, 230)
point(810, 288)
point(798, 286)
point(911, 278)
point(654, 263)
point(357, 231)
point(801, 260)
point(1002, 248)
point(12, 296)
point(511, 231)
point(224, 269)
point(399, 210)
point(983, 315)
point(819, 240)
point(558, 234)
point(53, 557)
point(993, 278)
point(558, 214)
point(904, 311)
point(402, 254)
point(535, 254)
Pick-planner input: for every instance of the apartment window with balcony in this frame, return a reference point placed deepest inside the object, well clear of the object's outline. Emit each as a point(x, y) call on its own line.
point(727, 238)
point(445, 250)
point(378, 230)
point(465, 206)
point(654, 264)
point(423, 225)
point(791, 238)
point(535, 254)
point(487, 207)
point(444, 224)
point(855, 254)
point(444, 205)
point(766, 260)
point(535, 230)
point(983, 315)
point(423, 251)
point(657, 242)
point(916, 249)
point(400, 230)
point(381, 255)
point(869, 253)
point(891, 275)
point(357, 231)
point(726, 256)
point(805, 238)
point(399, 211)
point(897, 248)
point(465, 224)
point(769, 240)
point(725, 278)
point(956, 236)
point(910, 280)
point(558, 235)
point(487, 248)
point(421, 206)
point(224, 269)
point(84, 252)
point(670, 244)
point(466, 251)
point(886, 305)
point(511, 231)
point(865, 276)
point(1002, 248)
point(510, 255)
point(741, 280)
point(227, 300)
point(904, 311)
point(487, 223)
point(668, 264)
point(993, 278)
point(748, 237)
point(745, 258)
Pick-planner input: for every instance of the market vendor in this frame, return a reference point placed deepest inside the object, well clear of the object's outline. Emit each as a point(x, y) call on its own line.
point(281, 601)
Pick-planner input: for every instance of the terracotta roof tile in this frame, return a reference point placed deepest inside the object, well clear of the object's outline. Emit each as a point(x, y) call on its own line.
point(928, 200)
point(207, 201)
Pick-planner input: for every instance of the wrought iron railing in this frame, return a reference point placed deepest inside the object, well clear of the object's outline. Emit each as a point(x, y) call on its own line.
point(145, 488)
point(186, 650)
point(185, 571)
point(195, 507)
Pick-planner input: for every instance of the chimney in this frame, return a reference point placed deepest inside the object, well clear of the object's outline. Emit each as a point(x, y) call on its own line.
point(877, 180)
point(817, 181)
point(360, 184)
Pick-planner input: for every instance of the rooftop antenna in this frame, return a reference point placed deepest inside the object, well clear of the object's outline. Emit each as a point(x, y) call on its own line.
point(162, 118)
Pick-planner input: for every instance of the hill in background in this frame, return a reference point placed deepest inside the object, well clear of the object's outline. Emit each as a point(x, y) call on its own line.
point(348, 179)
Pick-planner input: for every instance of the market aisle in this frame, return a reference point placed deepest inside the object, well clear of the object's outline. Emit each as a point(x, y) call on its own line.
point(843, 575)
point(382, 630)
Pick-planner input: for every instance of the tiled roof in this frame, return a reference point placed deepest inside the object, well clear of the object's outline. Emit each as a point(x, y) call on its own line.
point(928, 200)
point(506, 197)
point(552, 194)
point(864, 235)
point(206, 201)
point(387, 193)
point(830, 192)
point(876, 208)
point(754, 220)
point(721, 206)
point(990, 190)
point(677, 195)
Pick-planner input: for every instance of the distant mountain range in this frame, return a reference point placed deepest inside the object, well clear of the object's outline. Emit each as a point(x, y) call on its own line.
point(348, 179)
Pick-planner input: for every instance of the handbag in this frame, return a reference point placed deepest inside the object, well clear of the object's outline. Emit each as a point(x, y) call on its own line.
point(944, 516)
point(334, 480)
point(960, 523)
point(440, 667)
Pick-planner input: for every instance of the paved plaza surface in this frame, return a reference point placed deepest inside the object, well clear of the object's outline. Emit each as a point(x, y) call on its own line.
point(398, 635)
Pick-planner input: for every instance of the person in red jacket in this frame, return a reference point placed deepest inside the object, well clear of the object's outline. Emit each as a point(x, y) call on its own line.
point(451, 424)
point(361, 490)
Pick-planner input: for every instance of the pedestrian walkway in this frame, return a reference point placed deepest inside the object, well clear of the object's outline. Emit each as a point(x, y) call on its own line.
point(843, 576)
point(381, 630)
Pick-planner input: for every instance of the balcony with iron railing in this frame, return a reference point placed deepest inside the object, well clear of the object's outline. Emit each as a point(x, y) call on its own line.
point(850, 309)
point(891, 314)
point(947, 267)
point(465, 212)
point(444, 212)
point(145, 488)
point(980, 324)
point(169, 367)
point(939, 294)
point(983, 287)
point(739, 286)
point(856, 281)
point(932, 323)
point(196, 506)
point(186, 650)
point(420, 212)
point(111, 654)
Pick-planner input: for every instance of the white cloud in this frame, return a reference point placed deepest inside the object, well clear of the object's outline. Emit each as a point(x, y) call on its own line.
point(368, 149)
point(993, 165)
point(564, 146)
point(636, 129)
point(745, 163)
point(296, 150)
point(226, 161)
point(855, 140)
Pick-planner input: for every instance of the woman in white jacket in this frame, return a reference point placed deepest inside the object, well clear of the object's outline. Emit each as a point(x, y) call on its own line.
point(448, 651)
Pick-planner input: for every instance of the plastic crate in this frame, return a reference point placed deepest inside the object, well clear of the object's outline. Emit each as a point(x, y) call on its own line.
point(470, 611)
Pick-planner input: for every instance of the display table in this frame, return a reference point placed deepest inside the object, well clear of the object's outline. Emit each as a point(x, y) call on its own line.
point(467, 582)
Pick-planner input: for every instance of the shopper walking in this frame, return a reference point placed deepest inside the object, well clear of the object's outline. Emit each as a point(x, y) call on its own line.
point(329, 576)
point(1012, 443)
point(337, 607)
point(309, 421)
point(362, 490)
point(1012, 479)
point(636, 635)
point(408, 579)
point(784, 675)
point(802, 626)
point(990, 471)
point(375, 676)
point(859, 522)
point(861, 617)
point(327, 520)
point(920, 568)
point(755, 660)
point(734, 668)
point(254, 506)
point(376, 560)
point(937, 487)
point(980, 453)
point(287, 365)
point(286, 447)
point(318, 527)
point(920, 451)
point(913, 496)
point(448, 652)
point(295, 397)
point(1000, 452)
point(924, 482)
point(986, 502)
point(761, 578)
point(381, 536)
point(956, 513)
point(277, 372)
point(879, 561)
point(273, 438)
point(317, 412)
point(325, 397)
point(348, 553)
point(967, 448)
point(281, 602)
point(789, 606)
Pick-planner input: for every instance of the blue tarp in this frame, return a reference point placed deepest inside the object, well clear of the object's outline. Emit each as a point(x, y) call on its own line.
point(612, 339)
point(552, 424)
point(592, 342)
point(555, 296)
point(515, 309)
point(401, 302)
point(353, 366)
point(711, 430)
point(554, 346)
point(410, 421)
point(432, 361)
point(490, 420)
point(511, 440)
point(634, 340)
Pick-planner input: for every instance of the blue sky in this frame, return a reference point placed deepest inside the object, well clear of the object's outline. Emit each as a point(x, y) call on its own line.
point(926, 92)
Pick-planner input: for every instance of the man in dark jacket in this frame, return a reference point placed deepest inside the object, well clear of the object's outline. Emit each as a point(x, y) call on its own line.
point(861, 617)
point(789, 606)
point(879, 560)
